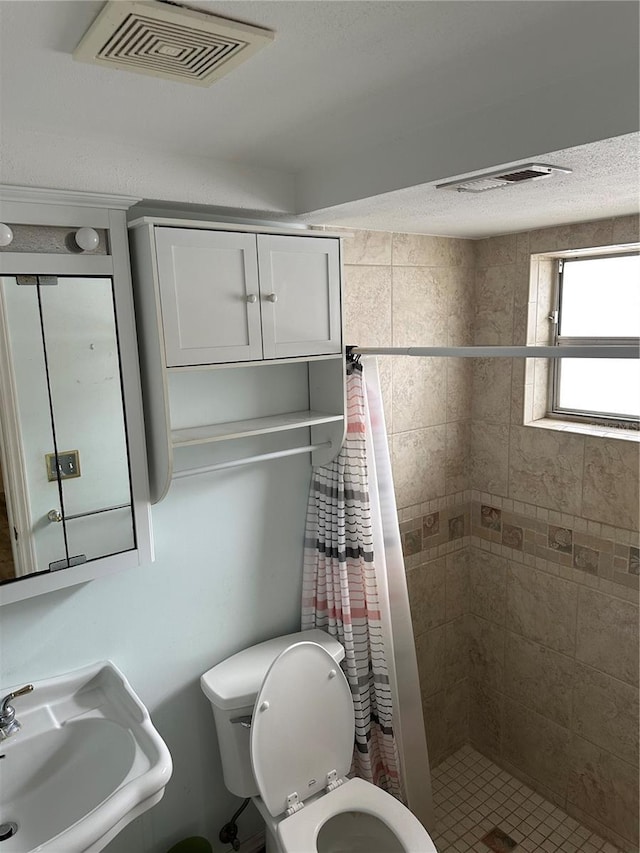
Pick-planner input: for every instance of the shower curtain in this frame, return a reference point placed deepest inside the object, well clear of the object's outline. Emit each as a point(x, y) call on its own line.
point(340, 592)
point(354, 587)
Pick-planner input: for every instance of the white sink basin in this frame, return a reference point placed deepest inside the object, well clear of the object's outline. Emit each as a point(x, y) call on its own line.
point(86, 762)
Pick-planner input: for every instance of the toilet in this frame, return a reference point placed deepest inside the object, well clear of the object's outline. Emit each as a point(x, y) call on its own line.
point(285, 723)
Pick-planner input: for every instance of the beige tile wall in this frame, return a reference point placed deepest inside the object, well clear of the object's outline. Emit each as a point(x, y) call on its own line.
point(436, 559)
point(553, 566)
point(404, 289)
point(527, 642)
point(554, 678)
point(589, 476)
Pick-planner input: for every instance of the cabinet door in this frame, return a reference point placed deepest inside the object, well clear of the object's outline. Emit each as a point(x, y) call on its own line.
point(209, 296)
point(300, 295)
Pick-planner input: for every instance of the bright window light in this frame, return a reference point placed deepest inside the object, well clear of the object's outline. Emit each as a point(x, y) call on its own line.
point(598, 304)
point(601, 297)
point(600, 385)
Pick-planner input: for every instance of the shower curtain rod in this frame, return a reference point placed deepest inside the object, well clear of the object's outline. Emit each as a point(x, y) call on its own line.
point(622, 351)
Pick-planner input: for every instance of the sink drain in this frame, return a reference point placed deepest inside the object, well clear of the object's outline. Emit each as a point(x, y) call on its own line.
point(8, 830)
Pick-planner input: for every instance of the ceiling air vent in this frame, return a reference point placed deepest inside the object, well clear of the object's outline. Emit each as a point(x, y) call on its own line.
point(169, 41)
point(484, 181)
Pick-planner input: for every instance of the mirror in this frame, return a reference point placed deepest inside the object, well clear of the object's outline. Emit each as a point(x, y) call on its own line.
point(66, 470)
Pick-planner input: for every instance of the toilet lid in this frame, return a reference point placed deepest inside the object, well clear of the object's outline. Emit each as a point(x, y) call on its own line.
point(303, 726)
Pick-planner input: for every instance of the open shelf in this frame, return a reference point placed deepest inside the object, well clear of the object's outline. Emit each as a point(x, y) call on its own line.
point(249, 427)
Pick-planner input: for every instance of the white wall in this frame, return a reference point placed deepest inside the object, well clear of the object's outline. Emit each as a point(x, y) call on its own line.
point(227, 574)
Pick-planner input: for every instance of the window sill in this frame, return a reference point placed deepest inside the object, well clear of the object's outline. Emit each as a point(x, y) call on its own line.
point(585, 429)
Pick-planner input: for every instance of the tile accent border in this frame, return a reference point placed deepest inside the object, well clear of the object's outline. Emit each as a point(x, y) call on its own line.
point(596, 555)
point(435, 528)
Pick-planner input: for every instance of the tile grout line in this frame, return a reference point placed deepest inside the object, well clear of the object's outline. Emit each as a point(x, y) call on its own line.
point(535, 824)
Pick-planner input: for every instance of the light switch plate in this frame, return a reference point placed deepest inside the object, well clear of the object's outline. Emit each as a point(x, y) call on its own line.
point(65, 465)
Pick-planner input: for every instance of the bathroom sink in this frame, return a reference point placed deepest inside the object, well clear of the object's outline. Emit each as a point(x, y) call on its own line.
point(86, 762)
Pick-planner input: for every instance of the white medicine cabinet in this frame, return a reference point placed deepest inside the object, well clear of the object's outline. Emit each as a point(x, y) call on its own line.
point(240, 330)
point(75, 499)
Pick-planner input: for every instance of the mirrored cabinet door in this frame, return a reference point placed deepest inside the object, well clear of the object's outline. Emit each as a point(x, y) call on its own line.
point(67, 369)
point(30, 404)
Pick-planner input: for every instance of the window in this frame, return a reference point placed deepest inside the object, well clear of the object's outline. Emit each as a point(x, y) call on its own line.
point(598, 303)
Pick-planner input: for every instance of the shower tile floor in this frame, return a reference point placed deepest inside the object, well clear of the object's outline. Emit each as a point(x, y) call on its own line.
point(473, 797)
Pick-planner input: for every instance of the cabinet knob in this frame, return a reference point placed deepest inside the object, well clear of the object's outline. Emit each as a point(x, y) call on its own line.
point(272, 297)
point(251, 298)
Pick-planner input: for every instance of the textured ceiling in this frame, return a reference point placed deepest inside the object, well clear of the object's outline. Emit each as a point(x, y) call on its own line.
point(605, 181)
point(341, 77)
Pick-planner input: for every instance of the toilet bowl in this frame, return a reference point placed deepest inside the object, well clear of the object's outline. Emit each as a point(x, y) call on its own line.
point(286, 726)
point(355, 818)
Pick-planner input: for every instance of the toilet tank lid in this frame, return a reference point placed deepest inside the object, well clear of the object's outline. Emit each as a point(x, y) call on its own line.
point(235, 682)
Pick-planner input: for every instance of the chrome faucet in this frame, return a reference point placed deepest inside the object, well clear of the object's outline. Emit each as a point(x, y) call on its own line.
point(8, 723)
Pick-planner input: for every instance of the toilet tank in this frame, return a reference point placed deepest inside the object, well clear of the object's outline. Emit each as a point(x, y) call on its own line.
point(232, 686)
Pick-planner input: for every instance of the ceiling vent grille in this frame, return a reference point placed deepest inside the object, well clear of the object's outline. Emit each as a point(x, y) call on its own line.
point(484, 181)
point(168, 41)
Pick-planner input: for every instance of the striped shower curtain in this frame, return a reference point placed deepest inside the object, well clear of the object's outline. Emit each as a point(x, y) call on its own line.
point(340, 592)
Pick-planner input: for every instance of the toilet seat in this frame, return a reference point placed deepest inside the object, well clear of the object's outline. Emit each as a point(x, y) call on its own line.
point(299, 832)
point(302, 729)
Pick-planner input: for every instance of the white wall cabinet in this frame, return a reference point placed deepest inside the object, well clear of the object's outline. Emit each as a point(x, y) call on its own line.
point(240, 333)
point(229, 296)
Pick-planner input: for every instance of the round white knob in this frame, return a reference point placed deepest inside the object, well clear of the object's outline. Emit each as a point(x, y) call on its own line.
point(264, 706)
point(272, 297)
point(6, 235)
point(251, 298)
point(87, 239)
point(332, 673)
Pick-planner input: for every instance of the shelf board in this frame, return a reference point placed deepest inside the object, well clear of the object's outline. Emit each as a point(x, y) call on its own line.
point(253, 426)
point(263, 362)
